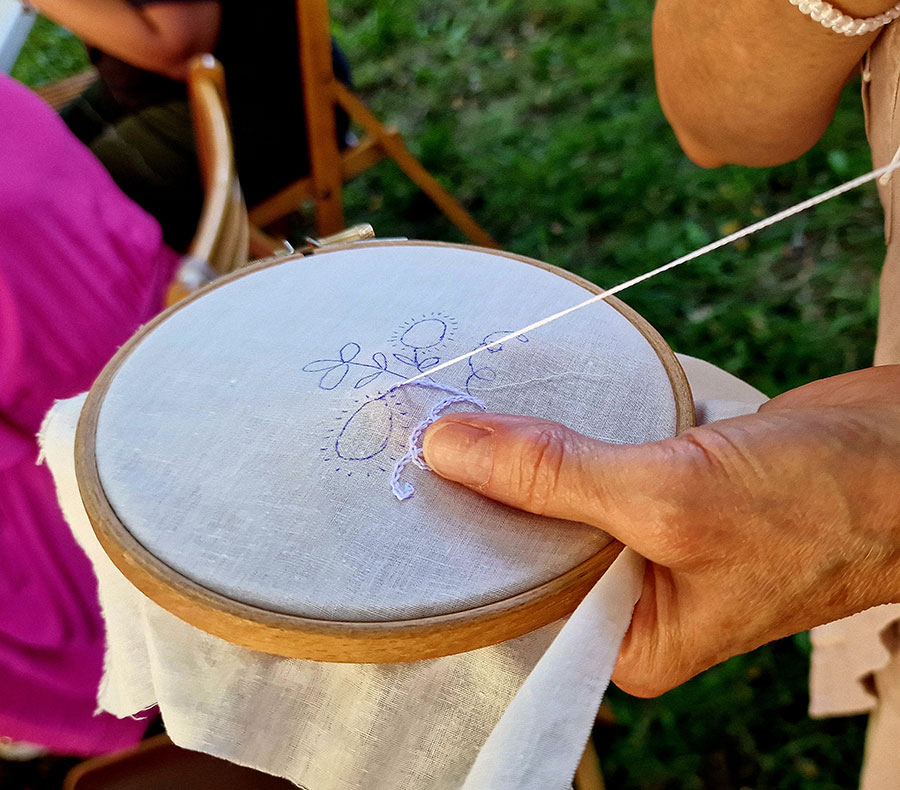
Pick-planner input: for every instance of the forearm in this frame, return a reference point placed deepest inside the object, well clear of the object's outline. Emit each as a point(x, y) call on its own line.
point(751, 83)
point(160, 37)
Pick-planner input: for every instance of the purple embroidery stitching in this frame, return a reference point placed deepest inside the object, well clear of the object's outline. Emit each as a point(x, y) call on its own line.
point(418, 342)
point(414, 452)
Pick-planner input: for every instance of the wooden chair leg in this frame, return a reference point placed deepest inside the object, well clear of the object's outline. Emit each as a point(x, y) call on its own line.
point(321, 91)
point(319, 84)
point(354, 162)
point(59, 94)
point(394, 146)
point(589, 776)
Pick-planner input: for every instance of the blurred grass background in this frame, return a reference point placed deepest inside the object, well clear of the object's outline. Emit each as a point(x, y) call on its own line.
point(543, 119)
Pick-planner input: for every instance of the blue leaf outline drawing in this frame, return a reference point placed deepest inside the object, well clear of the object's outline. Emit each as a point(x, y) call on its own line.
point(334, 371)
point(405, 359)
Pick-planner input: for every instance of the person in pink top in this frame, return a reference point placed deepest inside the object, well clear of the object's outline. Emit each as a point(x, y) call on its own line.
point(81, 267)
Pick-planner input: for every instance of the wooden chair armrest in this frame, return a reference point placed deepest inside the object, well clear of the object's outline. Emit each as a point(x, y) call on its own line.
point(59, 94)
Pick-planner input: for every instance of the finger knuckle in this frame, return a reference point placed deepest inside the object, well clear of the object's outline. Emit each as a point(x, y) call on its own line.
point(684, 496)
point(719, 456)
point(702, 451)
point(540, 467)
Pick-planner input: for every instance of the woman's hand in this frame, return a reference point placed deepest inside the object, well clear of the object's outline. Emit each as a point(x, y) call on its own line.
point(755, 527)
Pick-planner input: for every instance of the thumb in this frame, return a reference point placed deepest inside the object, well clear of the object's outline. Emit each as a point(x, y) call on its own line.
point(545, 468)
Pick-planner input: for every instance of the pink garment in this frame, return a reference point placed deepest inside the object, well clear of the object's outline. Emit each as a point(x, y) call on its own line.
point(81, 267)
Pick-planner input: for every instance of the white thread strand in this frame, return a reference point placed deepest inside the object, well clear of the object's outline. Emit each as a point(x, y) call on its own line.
point(737, 235)
point(886, 177)
point(414, 452)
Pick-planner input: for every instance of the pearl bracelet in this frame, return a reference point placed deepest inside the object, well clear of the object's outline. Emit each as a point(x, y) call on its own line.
point(827, 15)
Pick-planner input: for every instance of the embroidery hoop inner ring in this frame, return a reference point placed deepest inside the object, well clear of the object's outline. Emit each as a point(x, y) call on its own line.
point(294, 636)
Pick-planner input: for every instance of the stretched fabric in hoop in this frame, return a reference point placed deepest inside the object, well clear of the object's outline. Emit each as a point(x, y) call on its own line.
point(249, 441)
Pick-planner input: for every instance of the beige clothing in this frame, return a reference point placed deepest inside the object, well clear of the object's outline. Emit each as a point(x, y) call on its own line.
point(881, 768)
point(881, 101)
point(856, 662)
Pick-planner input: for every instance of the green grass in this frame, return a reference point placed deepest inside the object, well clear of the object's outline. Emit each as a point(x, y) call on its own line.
point(542, 119)
point(742, 724)
point(50, 53)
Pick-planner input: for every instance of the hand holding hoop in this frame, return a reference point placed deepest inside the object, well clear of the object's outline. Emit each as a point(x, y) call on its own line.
point(756, 527)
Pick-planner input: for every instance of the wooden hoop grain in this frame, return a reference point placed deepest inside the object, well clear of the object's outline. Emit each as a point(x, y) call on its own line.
point(294, 636)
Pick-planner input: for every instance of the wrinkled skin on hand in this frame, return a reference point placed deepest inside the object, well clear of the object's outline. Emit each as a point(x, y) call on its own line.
point(755, 527)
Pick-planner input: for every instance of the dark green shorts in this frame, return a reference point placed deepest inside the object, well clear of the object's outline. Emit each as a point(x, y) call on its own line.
point(150, 155)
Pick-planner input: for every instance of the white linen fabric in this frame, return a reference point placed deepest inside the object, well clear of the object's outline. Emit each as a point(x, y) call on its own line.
point(322, 726)
point(563, 692)
point(409, 726)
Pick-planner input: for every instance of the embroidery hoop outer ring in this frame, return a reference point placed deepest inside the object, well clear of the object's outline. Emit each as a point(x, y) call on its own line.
point(294, 636)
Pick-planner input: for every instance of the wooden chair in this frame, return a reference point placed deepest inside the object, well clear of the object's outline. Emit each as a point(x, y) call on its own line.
point(224, 240)
point(58, 94)
point(329, 167)
point(157, 763)
point(589, 775)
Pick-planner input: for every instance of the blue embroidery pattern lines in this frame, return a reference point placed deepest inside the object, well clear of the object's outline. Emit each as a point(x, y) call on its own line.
point(420, 343)
point(486, 373)
point(419, 338)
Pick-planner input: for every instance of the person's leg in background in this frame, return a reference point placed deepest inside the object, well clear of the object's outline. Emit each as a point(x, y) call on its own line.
point(149, 153)
point(90, 113)
point(151, 156)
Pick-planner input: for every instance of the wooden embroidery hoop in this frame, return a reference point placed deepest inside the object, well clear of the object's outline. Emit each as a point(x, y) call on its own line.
point(296, 636)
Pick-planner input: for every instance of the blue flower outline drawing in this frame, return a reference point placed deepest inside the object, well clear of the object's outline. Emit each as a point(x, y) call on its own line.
point(419, 342)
